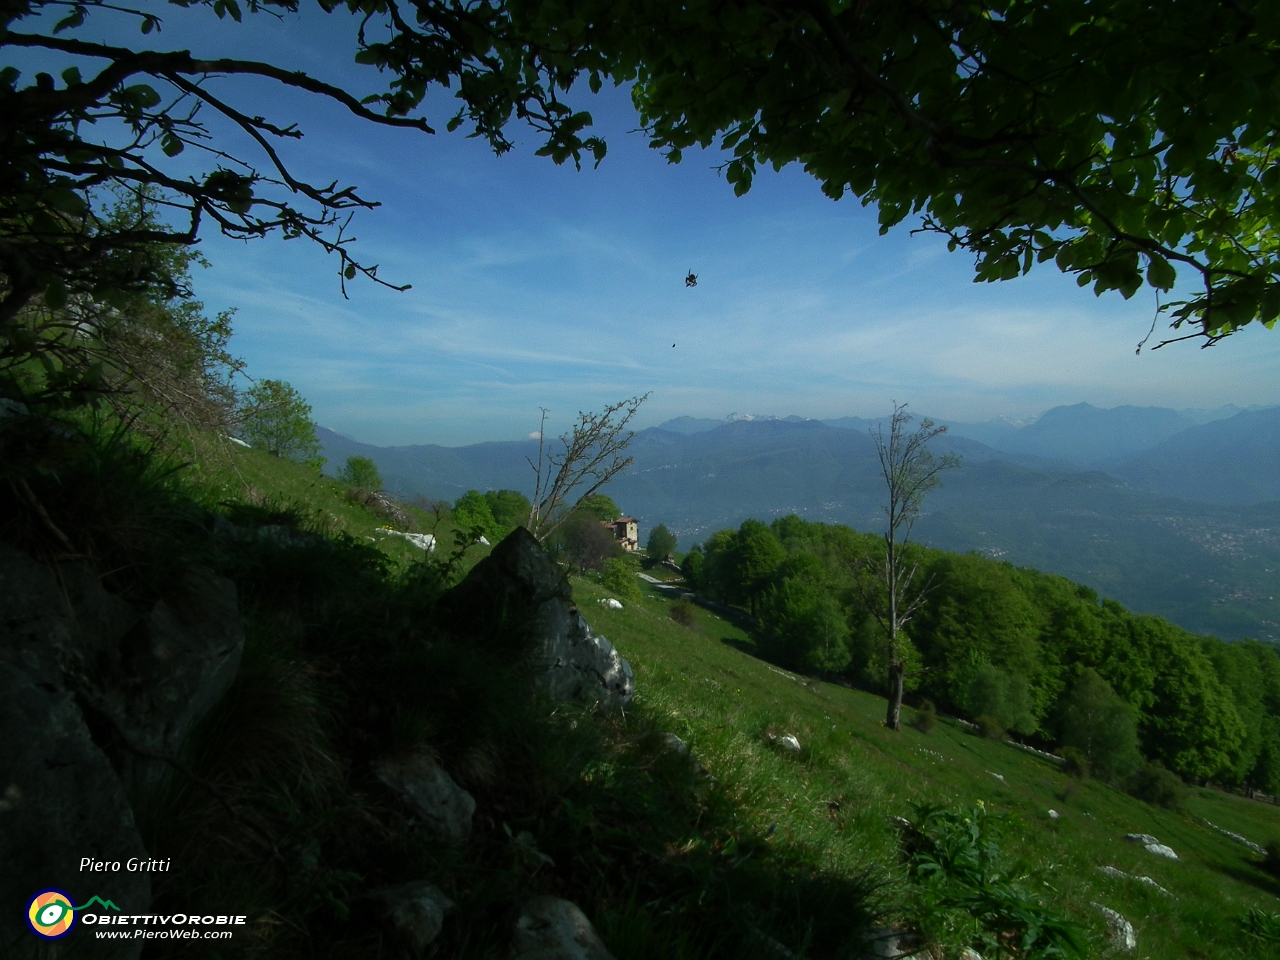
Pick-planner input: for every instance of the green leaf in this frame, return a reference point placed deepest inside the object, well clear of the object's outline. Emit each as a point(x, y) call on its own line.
point(350, 272)
point(1160, 273)
point(71, 76)
point(72, 20)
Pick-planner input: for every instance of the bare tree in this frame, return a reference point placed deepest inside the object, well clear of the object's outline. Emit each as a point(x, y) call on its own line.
point(888, 583)
point(592, 456)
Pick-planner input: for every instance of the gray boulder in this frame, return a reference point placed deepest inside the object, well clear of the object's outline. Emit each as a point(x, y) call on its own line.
point(414, 911)
point(62, 801)
point(548, 928)
point(88, 682)
point(444, 807)
point(517, 598)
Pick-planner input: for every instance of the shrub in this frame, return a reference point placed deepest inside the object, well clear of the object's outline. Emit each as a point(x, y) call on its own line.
point(1075, 762)
point(619, 576)
point(989, 727)
point(682, 612)
point(926, 717)
point(1157, 786)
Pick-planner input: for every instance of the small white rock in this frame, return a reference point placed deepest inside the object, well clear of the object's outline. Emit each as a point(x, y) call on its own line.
point(1054, 814)
point(611, 603)
point(1120, 929)
point(789, 743)
point(1152, 845)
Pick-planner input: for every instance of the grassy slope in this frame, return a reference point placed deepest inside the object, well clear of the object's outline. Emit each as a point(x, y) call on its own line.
point(722, 700)
point(830, 806)
point(254, 478)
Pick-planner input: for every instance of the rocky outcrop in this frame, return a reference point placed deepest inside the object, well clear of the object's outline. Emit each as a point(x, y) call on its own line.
point(415, 913)
point(548, 928)
point(518, 598)
point(93, 690)
point(443, 807)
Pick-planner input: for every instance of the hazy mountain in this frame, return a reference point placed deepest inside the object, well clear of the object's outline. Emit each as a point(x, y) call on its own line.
point(1233, 461)
point(1207, 567)
point(1083, 434)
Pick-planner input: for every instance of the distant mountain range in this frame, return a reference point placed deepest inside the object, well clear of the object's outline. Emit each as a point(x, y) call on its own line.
point(1184, 523)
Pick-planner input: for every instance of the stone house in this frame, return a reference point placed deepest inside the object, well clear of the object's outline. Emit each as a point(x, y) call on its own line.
point(626, 531)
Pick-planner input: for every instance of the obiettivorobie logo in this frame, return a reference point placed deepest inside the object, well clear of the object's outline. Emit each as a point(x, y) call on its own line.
point(51, 915)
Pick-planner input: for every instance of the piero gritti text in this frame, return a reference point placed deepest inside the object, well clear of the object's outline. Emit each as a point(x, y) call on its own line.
point(132, 865)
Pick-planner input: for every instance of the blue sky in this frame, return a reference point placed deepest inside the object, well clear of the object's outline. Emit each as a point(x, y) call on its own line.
point(541, 286)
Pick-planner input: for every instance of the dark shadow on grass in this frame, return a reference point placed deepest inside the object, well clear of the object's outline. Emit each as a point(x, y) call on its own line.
point(1253, 877)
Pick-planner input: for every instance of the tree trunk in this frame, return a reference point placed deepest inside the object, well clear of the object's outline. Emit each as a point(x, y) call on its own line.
point(896, 671)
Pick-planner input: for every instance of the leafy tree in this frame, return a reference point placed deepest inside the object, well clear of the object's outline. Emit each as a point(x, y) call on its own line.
point(754, 557)
point(471, 512)
point(889, 586)
point(510, 509)
point(277, 419)
point(69, 143)
point(661, 542)
point(585, 542)
point(1122, 142)
point(1101, 726)
point(693, 567)
point(802, 626)
point(600, 506)
point(362, 473)
point(986, 690)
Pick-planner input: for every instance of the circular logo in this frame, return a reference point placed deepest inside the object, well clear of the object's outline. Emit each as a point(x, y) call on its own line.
point(50, 914)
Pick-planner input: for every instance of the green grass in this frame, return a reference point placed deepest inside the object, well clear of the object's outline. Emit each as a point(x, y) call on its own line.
point(709, 689)
point(345, 663)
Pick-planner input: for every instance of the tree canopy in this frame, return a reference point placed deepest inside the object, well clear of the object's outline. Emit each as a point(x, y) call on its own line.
point(1125, 142)
point(1041, 656)
point(277, 419)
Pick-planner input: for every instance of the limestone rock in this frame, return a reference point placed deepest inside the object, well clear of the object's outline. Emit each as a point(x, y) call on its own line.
point(1119, 929)
point(415, 911)
point(423, 541)
point(62, 801)
point(444, 807)
point(611, 603)
point(786, 743)
point(549, 928)
point(87, 680)
point(1152, 845)
point(518, 596)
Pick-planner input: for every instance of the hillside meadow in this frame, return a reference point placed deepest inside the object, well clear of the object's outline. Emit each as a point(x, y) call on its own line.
point(740, 849)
